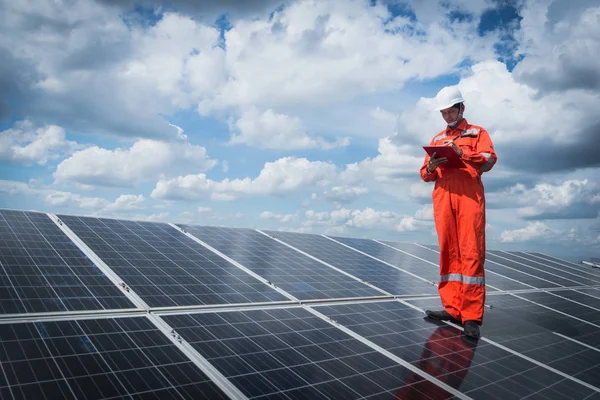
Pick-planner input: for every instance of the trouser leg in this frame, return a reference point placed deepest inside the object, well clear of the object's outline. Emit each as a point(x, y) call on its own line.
point(470, 210)
point(449, 288)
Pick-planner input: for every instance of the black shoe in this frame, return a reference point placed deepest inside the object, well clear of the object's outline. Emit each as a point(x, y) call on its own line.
point(472, 329)
point(441, 316)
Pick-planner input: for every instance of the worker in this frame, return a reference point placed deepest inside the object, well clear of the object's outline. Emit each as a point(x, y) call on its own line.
point(459, 213)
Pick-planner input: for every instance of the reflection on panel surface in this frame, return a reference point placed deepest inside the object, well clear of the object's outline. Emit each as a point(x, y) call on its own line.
point(297, 274)
point(165, 267)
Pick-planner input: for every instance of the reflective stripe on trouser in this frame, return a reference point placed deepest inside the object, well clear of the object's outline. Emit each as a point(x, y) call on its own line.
point(459, 214)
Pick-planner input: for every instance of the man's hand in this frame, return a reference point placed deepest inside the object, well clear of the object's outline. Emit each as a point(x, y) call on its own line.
point(457, 149)
point(435, 162)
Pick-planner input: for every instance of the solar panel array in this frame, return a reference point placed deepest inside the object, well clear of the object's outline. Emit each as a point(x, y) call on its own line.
point(108, 308)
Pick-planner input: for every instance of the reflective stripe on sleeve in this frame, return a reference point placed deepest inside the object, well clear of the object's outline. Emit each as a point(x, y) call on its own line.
point(488, 165)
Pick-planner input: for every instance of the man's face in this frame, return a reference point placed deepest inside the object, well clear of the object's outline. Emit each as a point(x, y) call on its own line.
point(450, 114)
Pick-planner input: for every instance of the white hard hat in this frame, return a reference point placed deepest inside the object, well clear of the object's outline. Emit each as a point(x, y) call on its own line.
point(447, 97)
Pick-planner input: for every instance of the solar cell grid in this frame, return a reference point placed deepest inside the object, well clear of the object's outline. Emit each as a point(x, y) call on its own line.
point(165, 267)
point(493, 281)
point(376, 273)
point(394, 257)
point(293, 354)
point(498, 270)
point(297, 274)
point(42, 270)
point(549, 275)
point(478, 369)
point(100, 358)
point(549, 269)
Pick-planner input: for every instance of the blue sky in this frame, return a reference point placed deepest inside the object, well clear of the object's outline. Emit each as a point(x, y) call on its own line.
point(301, 115)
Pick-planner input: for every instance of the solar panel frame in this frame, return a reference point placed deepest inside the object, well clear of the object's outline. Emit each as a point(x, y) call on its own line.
point(42, 270)
point(282, 265)
point(166, 268)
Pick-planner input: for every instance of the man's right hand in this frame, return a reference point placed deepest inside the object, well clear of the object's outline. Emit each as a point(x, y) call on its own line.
point(435, 162)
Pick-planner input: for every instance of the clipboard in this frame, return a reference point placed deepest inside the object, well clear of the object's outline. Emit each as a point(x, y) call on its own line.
point(454, 160)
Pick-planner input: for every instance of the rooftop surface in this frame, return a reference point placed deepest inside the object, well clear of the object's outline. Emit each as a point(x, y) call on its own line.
point(107, 308)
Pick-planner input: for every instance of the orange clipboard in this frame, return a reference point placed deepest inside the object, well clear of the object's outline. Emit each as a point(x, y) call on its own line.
point(454, 160)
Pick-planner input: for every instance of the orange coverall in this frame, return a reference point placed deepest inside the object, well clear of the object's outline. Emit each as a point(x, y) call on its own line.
point(459, 215)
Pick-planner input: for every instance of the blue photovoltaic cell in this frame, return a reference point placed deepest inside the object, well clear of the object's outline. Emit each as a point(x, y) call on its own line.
point(477, 368)
point(493, 280)
point(394, 257)
point(504, 275)
point(287, 268)
point(97, 358)
point(531, 330)
point(560, 274)
point(538, 271)
point(165, 267)
point(376, 273)
point(42, 270)
point(293, 354)
point(562, 265)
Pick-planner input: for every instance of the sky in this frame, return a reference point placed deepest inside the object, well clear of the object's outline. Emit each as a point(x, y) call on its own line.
point(301, 115)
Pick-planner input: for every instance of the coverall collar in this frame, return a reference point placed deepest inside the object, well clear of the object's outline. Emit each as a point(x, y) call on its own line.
point(462, 126)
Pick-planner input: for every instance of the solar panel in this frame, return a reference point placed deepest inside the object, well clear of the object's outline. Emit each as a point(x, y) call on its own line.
point(494, 281)
point(514, 272)
point(97, 358)
point(295, 354)
point(388, 278)
point(562, 275)
point(294, 272)
point(560, 264)
point(427, 270)
point(42, 270)
point(571, 364)
point(478, 369)
point(165, 267)
point(256, 336)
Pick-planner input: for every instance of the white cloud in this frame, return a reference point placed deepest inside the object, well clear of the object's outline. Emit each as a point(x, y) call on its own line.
point(24, 144)
point(202, 210)
point(365, 219)
point(271, 130)
point(561, 44)
point(425, 213)
point(146, 160)
point(533, 231)
point(569, 199)
point(95, 205)
point(395, 161)
point(280, 177)
point(342, 194)
point(312, 53)
point(281, 218)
